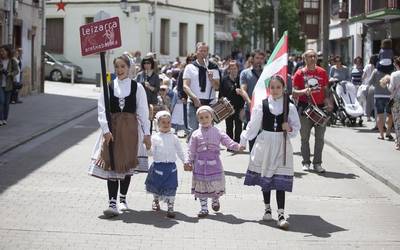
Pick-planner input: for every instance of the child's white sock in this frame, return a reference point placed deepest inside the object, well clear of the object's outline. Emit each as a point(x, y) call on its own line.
point(203, 203)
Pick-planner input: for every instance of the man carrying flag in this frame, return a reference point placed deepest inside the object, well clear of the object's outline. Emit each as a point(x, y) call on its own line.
point(271, 159)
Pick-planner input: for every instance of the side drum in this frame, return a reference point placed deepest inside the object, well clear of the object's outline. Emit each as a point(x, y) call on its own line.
point(222, 110)
point(316, 115)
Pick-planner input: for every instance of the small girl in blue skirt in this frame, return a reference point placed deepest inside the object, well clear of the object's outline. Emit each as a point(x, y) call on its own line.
point(162, 179)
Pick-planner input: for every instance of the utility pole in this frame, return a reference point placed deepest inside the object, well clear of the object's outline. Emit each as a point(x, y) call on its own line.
point(326, 18)
point(275, 4)
point(43, 45)
point(10, 22)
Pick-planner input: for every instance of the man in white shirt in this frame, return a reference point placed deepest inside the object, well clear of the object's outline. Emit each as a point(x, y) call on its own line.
point(200, 81)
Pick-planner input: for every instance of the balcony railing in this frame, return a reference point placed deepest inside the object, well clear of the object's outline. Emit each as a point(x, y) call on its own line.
point(373, 5)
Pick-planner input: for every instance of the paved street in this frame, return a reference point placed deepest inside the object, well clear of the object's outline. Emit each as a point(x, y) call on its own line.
point(49, 202)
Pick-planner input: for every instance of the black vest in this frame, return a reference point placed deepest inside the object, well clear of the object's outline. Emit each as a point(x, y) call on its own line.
point(269, 119)
point(130, 100)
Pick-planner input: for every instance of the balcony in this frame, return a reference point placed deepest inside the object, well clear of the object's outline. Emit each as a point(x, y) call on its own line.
point(373, 5)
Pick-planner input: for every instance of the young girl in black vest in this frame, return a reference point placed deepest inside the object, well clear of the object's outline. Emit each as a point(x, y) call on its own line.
point(128, 107)
point(266, 168)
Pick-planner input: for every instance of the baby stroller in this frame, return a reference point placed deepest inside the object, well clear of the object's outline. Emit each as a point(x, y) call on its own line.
point(347, 108)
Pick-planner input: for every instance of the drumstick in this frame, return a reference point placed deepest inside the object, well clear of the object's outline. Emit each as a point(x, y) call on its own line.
point(285, 119)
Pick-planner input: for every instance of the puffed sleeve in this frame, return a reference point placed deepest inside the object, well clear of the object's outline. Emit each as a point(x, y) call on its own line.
point(192, 148)
point(142, 109)
point(179, 150)
point(101, 114)
point(254, 126)
point(294, 121)
point(228, 142)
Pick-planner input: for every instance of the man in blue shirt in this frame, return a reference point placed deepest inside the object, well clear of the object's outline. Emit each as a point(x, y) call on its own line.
point(248, 80)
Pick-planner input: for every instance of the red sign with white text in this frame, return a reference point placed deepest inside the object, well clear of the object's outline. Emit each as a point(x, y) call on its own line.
point(100, 36)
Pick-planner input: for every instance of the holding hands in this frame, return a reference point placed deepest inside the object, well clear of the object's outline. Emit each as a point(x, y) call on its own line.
point(187, 167)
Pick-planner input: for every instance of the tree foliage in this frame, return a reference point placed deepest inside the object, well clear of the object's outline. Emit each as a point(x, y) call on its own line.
point(256, 21)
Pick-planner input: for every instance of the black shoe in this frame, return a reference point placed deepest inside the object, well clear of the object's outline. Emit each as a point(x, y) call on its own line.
point(389, 137)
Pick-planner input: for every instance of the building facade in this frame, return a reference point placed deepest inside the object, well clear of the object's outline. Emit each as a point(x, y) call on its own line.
point(226, 13)
point(170, 28)
point(21, 26)
point(356, 27)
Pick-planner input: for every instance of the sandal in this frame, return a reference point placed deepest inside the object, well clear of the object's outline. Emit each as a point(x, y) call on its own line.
point(381, 138)
point(156, 205)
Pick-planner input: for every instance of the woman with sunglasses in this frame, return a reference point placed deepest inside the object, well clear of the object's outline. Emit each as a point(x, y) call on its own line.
point(339, 72)
point(151, 83)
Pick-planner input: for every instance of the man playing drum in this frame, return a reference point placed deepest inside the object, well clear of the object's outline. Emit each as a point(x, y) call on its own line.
point(200, 80)
point(310, 86)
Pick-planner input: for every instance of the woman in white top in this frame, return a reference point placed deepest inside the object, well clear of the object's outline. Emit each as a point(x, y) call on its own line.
point(129, 110)
point(394, 88)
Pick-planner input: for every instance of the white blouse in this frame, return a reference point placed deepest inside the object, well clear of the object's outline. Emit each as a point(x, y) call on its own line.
point(276, 108)
point(165, 147)
point(122, 88)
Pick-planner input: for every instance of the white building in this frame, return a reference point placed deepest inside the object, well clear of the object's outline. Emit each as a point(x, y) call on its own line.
point(24, 31)
point(178, 25)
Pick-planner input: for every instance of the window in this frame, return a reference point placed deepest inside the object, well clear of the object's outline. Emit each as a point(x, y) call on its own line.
point(199, 33)
point(89, 19)
point(312, 19)
point(183, 34)
point(219, 19)
point(311, 4)
point(55, 35)
point(164, 39)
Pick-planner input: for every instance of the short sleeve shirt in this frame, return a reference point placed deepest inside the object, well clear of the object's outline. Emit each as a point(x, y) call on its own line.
point(303, 77)
point(247, 77)
point(191, 72)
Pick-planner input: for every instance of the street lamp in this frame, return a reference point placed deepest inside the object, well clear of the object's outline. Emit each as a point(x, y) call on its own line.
point(275, 4)
point(124, 7)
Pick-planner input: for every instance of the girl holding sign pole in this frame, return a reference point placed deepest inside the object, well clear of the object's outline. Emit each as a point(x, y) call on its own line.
point(129, 110)
point(271, 159)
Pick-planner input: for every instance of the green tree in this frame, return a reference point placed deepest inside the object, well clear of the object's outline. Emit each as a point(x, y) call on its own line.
point(256, 21)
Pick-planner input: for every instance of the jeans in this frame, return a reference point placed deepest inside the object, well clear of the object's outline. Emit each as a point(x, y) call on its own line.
point(4, 103)
point(305, 131)
point(193, 124)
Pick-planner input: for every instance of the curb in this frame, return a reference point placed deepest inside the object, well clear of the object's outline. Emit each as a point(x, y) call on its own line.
point(37, 134)
point(364, 166)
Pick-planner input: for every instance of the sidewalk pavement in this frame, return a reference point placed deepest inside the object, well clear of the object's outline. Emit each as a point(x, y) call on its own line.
point(362, 146)
point(63, 102)
point(40, 113)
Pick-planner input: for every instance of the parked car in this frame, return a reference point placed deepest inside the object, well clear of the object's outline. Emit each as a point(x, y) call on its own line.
point(58, 68)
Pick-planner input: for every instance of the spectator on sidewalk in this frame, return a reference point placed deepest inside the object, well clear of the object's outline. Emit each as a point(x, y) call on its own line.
point(366, 77)
point(129, 110)
point(305, 90)
point(230, 88)
point(200, 82)
point(382, 97)
point(17, 81)
point(339, 72)
point(8, 71)
point(357, 72)
point(385, 57)
point(394, 88)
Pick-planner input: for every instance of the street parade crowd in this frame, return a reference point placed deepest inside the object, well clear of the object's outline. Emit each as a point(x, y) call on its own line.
point(151, 105)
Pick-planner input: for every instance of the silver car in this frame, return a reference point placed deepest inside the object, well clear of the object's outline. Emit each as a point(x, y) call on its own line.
point(58, 68)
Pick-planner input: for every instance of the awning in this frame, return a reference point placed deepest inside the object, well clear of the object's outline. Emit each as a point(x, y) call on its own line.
point(223, 36)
